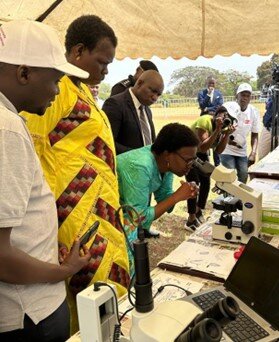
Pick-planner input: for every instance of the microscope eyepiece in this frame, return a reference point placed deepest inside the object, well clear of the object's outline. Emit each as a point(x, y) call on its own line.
point(223, 311)
point(207, 330)
point(203, 167)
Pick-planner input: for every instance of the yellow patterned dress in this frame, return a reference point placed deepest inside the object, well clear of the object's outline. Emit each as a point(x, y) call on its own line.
point(75, 145)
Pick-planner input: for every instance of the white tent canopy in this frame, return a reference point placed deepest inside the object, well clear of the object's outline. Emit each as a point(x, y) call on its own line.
point(175, 28)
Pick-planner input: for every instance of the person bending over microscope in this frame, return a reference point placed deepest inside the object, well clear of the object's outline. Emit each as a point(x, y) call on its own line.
point(150, 169)
point(213, 132)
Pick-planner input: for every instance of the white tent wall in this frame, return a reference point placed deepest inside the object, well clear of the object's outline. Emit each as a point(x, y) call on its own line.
point(22, 9)
point(176, 28)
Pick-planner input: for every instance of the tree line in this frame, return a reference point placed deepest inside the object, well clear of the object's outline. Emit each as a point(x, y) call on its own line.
point(189, 80)
point(265, 70)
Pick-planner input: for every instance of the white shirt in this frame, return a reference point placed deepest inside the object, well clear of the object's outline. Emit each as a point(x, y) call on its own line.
point(100, 102)
point(210, 95)
point(28, 206)
point(137, 105)
point(247, 122)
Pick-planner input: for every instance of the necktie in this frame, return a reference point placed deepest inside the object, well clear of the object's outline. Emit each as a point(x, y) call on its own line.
point(144, 127)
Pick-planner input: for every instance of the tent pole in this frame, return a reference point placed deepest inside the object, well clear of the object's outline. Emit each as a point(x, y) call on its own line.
point(48, 11)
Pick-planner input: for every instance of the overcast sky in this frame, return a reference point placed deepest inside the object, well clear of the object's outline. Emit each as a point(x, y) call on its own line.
point(119, 70)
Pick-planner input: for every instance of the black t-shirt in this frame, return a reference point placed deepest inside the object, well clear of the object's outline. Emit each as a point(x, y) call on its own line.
point(122, 85)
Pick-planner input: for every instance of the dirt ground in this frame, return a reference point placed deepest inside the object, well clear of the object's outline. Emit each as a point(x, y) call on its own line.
point(172, 233)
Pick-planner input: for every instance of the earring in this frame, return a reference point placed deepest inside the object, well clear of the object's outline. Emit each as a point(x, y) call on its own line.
point(168, 164)
point(78, 58)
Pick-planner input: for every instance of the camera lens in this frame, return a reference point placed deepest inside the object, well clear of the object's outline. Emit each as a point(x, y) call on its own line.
point(223, 311)
point(207, 330)
point(226, 122)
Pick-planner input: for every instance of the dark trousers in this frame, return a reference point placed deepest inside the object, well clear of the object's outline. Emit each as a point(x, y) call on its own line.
point(54, 328)
point(204, 183)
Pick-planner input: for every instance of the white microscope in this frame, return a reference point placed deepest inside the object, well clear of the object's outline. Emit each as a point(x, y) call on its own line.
point(236, 196)
point(173, 321)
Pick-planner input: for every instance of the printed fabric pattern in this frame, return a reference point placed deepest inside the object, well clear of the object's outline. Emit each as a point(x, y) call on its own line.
point(75, 146)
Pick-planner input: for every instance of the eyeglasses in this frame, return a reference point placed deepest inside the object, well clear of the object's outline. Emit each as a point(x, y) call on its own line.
point(189, 161)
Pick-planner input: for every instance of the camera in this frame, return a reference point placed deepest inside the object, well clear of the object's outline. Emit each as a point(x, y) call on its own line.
point(226, 122)
point(228, 119)
point(237, 140)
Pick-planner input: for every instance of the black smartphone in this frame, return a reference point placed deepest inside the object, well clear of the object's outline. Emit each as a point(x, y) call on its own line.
point(90, 232)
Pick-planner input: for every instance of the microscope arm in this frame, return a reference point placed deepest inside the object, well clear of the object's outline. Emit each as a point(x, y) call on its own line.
point(251, 199)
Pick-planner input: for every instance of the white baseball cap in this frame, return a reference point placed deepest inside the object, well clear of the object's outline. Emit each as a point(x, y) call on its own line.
point(26, 42)
point(233, 108)
point(244, 87)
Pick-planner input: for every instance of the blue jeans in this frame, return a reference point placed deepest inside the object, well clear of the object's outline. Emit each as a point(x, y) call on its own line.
point(240, 164)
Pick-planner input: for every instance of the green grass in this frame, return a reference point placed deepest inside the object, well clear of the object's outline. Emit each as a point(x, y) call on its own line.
point(185, 115)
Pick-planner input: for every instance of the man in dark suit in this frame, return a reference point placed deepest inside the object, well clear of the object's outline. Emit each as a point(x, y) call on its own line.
point(131, 118)
point(121, 86)
point(210, 98)
point(129, 113)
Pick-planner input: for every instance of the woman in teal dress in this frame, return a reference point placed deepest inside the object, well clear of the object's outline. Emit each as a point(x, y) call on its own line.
point(150, 169)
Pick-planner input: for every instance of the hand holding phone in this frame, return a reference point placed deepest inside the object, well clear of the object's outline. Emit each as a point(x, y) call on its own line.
point(90, 232)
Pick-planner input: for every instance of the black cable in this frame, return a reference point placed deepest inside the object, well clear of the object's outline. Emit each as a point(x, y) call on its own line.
point(130, 299)
point(130, 292)
point(128, 242)
point(133, 216)
point(117, 327)
point(161, 288)
point(117, 214)
point(97, 285)
point(133, 294)
point(125, 313)
point(117, 333)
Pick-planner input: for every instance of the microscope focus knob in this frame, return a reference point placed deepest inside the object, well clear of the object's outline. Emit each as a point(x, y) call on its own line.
point(228, 236)
point(247, 227)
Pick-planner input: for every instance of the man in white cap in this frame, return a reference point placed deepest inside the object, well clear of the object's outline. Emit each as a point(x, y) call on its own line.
point(235, 154)
point(33, 306)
